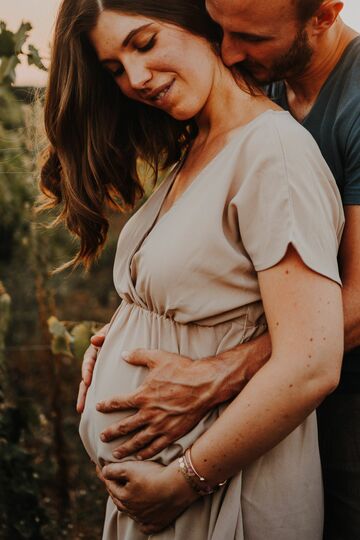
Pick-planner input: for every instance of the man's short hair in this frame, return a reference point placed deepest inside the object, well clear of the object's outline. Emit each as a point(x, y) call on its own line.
point(307, 8)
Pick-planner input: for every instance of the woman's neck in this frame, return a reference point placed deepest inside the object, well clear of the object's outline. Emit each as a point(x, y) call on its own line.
point(228, 106)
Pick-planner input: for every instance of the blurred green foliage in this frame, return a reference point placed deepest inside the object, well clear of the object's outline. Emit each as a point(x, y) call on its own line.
point(21, 514)
point(12, 49)
point(48, 488)
point(71, 339)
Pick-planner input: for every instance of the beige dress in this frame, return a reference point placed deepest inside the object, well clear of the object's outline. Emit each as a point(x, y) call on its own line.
point(188, 285)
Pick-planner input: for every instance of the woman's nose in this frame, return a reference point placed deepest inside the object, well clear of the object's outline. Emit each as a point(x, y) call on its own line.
point(232, 51)
point(139, 75)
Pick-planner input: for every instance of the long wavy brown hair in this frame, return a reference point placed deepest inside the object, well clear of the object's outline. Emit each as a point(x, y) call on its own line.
point(96, 134)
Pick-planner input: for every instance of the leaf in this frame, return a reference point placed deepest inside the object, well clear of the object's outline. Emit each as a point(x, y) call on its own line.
point(61, 338)
point(34, 58)
point(11, 117)
point(81, 334)
point(7, 43)
point(21, 36)
point(7, 69)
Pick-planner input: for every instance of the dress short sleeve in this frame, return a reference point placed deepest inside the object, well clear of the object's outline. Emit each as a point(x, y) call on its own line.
point(288, 196)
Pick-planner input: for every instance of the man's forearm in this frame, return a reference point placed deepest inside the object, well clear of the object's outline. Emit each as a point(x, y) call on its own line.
point(352, 319)
point(349, 263)
point(178, 392)
point(235, 367)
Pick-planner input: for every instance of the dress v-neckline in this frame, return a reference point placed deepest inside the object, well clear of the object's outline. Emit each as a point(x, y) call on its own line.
point(231, 137)
point(155, 219)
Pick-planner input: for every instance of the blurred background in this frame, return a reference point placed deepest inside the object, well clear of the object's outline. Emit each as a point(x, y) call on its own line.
point(48, 487)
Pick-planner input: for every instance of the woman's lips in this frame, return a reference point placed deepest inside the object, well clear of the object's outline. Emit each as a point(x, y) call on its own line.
point(160, 97)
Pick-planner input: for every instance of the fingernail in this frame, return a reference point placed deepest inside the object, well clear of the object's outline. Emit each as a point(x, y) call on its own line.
point(139, 458)
point(103, 437)
point(98, 406)
point(118, 455)
point(125, 355)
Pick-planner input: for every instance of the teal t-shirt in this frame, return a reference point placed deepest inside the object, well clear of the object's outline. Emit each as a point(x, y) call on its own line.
point(334, 122)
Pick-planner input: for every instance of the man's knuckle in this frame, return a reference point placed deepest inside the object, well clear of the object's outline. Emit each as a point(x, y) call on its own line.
point(142, 416)
point(152, 432)
point(137, 401)
point(113, 405)
point(123, 429)
point(139, 442)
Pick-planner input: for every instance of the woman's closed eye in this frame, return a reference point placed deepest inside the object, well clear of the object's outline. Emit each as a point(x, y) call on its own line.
point(141, 47)
point(146, 45)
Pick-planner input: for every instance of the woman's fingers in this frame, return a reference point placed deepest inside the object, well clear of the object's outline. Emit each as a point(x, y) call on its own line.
point(88, 364)
point(87, 367)
point(97, 340)
point(80, 403)
point(91, 353)
point(116, 475)
point(119, 429)
point(119, 505)
point(99, 474)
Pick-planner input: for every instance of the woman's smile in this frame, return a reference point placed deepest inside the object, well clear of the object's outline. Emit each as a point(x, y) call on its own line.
point(147, 57)
point(161, 95)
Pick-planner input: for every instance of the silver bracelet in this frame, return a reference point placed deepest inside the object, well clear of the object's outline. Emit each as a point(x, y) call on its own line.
point(194, 479)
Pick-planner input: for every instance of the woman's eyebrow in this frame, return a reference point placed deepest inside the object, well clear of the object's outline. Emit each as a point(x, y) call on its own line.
point(133, 33)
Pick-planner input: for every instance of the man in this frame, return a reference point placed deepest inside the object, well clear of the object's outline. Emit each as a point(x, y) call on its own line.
point(305, 44)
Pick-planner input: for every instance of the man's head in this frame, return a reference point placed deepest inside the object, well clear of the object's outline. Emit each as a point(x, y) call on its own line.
point(272, 40)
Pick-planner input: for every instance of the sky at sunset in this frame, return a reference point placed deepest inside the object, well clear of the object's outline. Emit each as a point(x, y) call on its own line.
point(41, 13)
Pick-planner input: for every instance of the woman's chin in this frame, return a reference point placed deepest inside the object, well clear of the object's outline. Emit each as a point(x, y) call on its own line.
point(183, 115)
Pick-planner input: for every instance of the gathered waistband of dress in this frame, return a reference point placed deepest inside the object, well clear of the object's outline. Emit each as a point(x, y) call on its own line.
point(241, 320)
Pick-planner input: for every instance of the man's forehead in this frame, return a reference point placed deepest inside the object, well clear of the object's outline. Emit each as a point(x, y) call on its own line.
point(262, 13)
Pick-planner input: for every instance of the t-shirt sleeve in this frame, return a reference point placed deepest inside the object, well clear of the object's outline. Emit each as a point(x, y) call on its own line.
point(288, 196)
point(351, 190)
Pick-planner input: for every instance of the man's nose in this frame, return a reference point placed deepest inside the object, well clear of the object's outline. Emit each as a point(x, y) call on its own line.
point(139, 75)
point(232, 51)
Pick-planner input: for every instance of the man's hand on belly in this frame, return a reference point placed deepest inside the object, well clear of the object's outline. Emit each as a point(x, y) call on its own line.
point(177, 394)
point(173, 398)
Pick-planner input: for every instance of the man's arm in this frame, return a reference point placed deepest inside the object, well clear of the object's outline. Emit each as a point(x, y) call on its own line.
point(178, 392)
point(349, 260)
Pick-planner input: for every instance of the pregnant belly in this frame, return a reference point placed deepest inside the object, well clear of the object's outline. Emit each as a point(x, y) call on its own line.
point(132, 328)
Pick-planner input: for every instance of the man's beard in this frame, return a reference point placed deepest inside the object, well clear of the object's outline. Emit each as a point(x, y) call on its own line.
point(290, 64)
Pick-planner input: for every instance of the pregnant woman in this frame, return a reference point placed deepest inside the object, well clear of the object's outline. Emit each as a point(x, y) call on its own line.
point(241, 235)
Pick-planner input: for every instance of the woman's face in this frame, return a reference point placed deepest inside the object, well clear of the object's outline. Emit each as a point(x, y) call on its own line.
point(156, 63)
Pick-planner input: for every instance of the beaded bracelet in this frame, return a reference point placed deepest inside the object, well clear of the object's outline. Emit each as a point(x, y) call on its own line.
point(195, 480)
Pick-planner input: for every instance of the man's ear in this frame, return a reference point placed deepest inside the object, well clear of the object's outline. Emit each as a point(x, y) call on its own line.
point(326, 15)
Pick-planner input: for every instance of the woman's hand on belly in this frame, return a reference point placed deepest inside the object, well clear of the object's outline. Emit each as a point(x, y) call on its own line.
point(88, 365)
point(149, 493)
